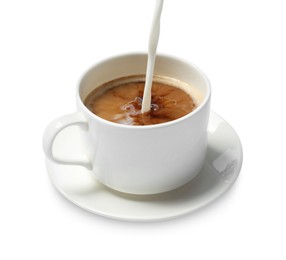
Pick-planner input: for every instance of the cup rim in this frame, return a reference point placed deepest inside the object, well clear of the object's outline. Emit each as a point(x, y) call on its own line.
point(166, 124)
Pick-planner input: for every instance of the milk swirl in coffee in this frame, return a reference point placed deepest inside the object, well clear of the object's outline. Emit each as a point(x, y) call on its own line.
point(120, 100)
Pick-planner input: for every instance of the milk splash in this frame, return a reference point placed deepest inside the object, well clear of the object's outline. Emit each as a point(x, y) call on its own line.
point(153, 43)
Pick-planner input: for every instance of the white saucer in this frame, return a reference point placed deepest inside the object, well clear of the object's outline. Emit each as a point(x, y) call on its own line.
point(222, 166)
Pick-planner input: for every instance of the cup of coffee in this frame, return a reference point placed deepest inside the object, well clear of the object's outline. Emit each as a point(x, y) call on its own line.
point(126, 150)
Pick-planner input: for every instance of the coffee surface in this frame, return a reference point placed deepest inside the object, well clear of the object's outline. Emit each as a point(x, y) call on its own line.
point(121, 102)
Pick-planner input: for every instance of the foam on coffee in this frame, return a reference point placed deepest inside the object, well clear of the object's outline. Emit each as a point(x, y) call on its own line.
point(120, 100)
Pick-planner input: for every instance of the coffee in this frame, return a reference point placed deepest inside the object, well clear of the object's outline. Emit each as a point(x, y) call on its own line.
point(120, 100)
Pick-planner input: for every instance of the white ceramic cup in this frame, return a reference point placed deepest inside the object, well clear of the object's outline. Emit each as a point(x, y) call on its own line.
point(138, 159)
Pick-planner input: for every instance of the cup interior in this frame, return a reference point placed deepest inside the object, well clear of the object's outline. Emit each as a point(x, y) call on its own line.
point(135, 64)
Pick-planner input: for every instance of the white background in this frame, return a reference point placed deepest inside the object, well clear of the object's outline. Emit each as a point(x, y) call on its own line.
point(45, 47)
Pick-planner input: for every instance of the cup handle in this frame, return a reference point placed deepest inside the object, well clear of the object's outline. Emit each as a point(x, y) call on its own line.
point(54, 128)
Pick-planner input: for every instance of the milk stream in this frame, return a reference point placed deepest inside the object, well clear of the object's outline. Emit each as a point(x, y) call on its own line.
point(153, 43)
